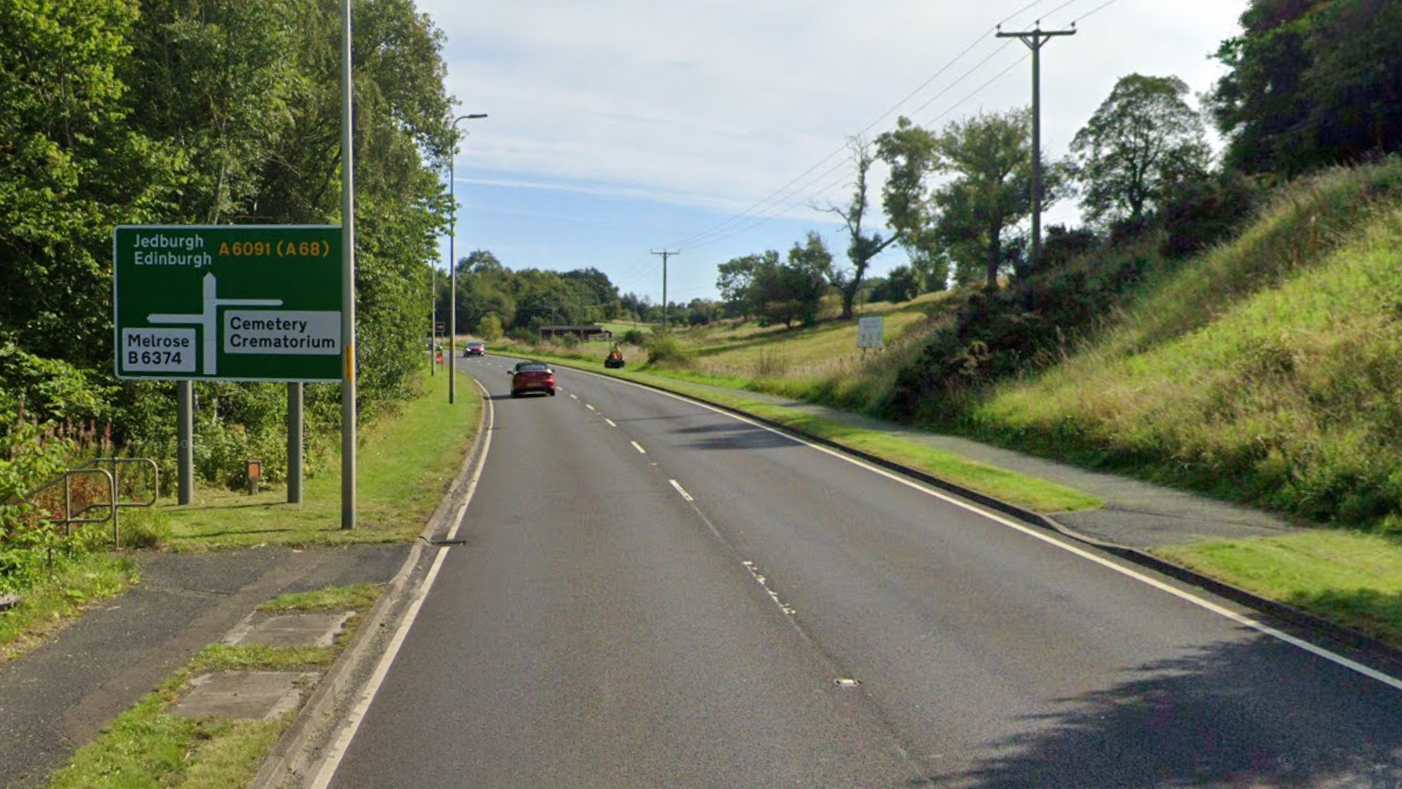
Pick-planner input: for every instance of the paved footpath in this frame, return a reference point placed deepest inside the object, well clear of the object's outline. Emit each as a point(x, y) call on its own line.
point(59, 696)
point(1136, 514)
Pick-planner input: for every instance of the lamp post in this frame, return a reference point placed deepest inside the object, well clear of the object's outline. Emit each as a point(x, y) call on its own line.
point(453, 259)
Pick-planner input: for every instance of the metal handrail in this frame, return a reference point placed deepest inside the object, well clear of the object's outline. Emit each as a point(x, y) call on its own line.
point(113, 504)
point(70, 518)
point(117, 464)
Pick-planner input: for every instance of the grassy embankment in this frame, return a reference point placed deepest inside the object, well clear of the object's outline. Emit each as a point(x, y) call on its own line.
point(148, 746)
point(406, 460)
point(1265, 371)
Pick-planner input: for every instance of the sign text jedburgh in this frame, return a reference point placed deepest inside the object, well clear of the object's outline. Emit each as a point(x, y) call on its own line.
point(225, 302)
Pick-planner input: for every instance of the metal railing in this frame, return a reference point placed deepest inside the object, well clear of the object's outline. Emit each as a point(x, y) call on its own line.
point(112, 504)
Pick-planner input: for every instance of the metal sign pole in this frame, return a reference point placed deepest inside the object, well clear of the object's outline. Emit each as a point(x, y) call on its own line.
point(348, 409)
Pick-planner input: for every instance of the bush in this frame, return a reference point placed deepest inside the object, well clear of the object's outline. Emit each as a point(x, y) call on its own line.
point(665, 350)
point(634, 337)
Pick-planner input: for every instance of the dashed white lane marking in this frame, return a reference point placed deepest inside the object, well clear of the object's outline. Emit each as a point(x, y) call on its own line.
point(610, 421)
point(574, 396)
point(590, 407)
point(638, 447)
point(681, 490)
point(1031, 531)
point(764, 584)
point(337, 752)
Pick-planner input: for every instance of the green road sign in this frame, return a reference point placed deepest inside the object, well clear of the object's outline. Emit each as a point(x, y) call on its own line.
point(228, 303)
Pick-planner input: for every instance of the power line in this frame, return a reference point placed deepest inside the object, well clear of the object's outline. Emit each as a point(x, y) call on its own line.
point(776, 194)
point(1095, 10)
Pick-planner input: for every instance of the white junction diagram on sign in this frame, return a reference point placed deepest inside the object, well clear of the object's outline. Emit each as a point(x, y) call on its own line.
point(265, 331)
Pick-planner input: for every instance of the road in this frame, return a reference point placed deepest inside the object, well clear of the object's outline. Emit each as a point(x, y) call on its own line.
point(654, 594)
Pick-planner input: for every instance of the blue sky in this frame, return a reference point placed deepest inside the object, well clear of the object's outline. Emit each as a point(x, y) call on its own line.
point(620, 127)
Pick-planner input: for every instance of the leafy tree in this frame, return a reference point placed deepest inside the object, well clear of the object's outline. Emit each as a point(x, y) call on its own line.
point(1311, 83)
point(71, 167)
point(990, 159)
point(489, 327)
point(861, 246)
point(736, 281)
point(792, 291)
point(902, 284)
point(1142, 142)
point(912, 154)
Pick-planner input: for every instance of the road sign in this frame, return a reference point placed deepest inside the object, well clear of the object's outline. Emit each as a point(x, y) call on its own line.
point(869, 331)
point(228, 302)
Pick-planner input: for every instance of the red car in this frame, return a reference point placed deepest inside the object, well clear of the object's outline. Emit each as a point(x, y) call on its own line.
point(532, 377)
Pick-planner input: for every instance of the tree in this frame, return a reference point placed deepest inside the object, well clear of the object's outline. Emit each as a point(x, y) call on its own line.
point(737, 278)
point(912, 154)
point(902, 284)
point(792, 291)
point(861, 246)
point(1311, 83)
point(990, 157)
point(489, 327)
point(1141, 142)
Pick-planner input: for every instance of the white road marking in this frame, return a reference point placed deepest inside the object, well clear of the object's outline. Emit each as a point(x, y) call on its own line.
point(590, 407)
point(1241, 619)
point(764, 584)
point(610, 421)
point(337, 752)
point(681, 490)
point(638, 447)
point(575, 397)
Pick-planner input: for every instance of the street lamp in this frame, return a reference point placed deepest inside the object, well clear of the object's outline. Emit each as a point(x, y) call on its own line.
point(453, 259)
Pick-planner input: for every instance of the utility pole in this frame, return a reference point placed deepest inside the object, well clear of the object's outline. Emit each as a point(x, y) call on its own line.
point(1034, 39)
point(348, 388)
point(665, 254)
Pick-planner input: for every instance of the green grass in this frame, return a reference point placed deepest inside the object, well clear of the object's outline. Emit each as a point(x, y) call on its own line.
point(50, 605)
point(341, 598)
point(1265, 371)
point(406, 461)
point(1352, 579)
point(148, 748)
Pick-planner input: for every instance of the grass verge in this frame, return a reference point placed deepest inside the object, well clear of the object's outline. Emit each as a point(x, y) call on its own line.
point(147, 746)
point(51, 605)
point(1351, 579)
point(406, 461)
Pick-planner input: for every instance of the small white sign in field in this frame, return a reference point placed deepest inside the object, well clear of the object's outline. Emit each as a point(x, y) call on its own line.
point(869, 331)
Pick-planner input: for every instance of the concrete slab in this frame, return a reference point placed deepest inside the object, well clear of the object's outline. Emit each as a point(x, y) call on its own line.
point(289, 630)
point(245, 694)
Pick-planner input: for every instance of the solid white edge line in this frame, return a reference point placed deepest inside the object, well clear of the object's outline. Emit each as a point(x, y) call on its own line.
point(337, 751)
point(638, 447)
point(681, 490)
point(1241, 619)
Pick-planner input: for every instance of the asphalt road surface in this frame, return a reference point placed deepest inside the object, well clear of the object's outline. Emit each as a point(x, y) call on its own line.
point(653, 594)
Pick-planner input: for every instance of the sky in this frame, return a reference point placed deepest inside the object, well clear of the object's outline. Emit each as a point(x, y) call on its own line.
point(717, 128)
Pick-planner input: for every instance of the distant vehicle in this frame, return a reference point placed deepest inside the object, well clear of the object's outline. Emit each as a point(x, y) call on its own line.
point(532, 377)
point(475, 349)
point(615, 358)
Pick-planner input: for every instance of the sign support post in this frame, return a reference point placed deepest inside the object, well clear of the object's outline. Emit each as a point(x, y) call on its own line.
point(295, 402)
point(185, 451)
point(348, 409)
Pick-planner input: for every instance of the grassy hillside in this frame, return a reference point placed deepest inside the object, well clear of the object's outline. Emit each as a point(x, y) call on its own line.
point(1268, 370)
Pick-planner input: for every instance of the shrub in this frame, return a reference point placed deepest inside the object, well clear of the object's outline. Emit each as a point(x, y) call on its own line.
point(666, 350)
